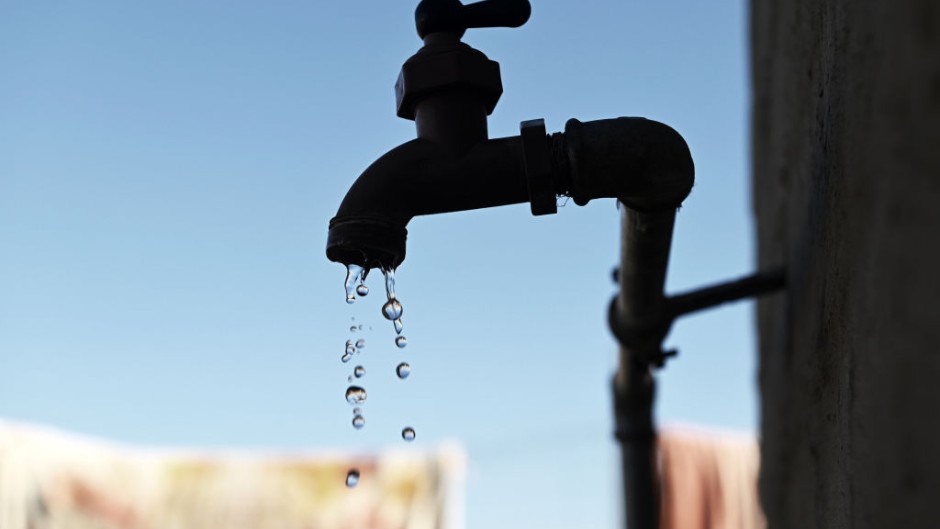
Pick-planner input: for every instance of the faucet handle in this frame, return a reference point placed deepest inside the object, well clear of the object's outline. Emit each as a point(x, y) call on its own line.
point(432, 16)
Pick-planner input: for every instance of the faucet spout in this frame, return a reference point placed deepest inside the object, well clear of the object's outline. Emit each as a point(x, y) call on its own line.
point(421, 177)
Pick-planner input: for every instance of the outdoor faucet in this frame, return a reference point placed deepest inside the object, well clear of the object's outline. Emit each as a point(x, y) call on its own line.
point(449, 89)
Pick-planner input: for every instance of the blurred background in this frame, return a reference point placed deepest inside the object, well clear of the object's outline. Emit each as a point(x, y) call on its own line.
point(167, 172)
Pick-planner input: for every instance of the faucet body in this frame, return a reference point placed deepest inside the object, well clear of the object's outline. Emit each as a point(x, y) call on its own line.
point(643, 163)
point(449, 89)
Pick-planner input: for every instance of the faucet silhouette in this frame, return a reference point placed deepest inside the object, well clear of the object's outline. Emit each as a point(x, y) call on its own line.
point(449, 89)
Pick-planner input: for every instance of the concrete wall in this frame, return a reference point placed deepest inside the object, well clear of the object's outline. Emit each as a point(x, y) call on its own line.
point(846, 147)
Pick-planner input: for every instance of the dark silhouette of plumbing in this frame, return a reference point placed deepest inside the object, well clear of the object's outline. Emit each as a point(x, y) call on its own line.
point(449, 89)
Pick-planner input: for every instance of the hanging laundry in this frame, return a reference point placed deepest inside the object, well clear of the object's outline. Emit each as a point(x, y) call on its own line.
point(708, 480)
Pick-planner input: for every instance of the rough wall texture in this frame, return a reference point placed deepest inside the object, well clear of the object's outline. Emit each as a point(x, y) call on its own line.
point(847, 194)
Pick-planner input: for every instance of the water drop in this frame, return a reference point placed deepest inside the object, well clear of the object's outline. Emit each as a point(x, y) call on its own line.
point(355, 395)
point(392, 309)
point(403, 370)
point(408, 434)
point(357, 411)
point(362, 290)
point(352, 478)
point(359, 371)
point(358, 421)
point(352, 275)
point(401, 342)
point(398, 326)
point(350, 347)
point(360, 343)
point(360, 327)
point(346, 357)
point(353, 329)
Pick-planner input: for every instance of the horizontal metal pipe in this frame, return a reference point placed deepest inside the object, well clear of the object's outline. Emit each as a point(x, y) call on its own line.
point(745, 287)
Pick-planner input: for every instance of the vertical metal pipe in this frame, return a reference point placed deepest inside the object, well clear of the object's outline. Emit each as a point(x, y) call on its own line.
point(644, 256)
point(635, 431)
point(455, 119)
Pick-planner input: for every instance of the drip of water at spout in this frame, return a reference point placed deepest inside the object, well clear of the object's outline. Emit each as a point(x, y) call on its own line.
point(353, 273)
point(392, 310)
point(389, 274)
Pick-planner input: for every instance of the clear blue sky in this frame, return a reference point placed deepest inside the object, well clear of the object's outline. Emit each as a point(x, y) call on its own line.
point(167, 172)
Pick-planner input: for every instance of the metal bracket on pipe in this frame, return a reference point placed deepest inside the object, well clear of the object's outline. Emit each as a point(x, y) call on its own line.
point(633, 334)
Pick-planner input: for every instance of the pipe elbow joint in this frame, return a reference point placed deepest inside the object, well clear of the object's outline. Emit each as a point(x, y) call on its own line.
point(643, 163)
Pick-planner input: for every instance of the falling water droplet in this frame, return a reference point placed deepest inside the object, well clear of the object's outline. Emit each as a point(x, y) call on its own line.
point(360, 327)
point(357, 411)
point(353, 272)
point(345, 358)
point(355, 395)
point(408, 434)
point(401, 342)
point(359, 371)
point(358, 421)
point(360, 343)
point(403, 370)
point(350, 347)
point(392, 309)
point(352, 478)
point(362, 290)
point(353, 329)
point(398, 326)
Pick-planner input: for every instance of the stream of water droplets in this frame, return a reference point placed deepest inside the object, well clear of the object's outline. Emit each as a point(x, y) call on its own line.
point(392, 310)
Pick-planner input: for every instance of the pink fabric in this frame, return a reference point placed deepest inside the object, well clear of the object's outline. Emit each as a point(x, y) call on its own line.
point(709, 480)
